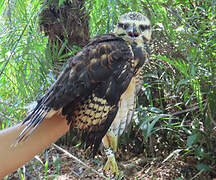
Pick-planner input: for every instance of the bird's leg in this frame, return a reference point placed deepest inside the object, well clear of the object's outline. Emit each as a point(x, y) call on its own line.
point(111, 164)
point(110, 144)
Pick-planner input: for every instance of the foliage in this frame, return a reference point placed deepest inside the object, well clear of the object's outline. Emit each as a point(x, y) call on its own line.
point(178, 98)
point(22, 56)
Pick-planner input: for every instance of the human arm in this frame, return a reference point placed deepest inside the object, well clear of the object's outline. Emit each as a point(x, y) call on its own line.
point(12, 157)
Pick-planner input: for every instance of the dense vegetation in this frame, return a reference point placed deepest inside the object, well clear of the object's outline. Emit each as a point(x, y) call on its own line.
point(176, 113)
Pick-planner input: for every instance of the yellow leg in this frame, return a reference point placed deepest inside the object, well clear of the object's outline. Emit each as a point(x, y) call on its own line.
point(110, 144)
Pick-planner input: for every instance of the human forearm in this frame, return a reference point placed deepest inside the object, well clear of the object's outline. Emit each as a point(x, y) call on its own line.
point(12, 158)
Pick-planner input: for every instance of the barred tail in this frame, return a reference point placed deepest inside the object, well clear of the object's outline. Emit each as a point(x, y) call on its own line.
point(32, 121)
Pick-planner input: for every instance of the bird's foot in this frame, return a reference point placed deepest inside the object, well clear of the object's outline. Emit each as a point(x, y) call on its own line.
point(111, 168)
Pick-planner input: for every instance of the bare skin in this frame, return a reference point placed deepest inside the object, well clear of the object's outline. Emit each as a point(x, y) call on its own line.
point(12, 158)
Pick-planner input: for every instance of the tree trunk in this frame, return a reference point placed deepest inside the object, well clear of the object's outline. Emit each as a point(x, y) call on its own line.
point(65, 25)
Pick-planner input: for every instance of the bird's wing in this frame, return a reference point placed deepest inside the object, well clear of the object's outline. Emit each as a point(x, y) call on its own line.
point(88, 90)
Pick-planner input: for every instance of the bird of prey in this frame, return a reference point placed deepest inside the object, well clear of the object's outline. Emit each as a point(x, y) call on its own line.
point(96, 91)
point(135, 29)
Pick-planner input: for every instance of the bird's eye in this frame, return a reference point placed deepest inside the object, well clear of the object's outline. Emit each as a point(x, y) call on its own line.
point(123, 26)
point(144, 27)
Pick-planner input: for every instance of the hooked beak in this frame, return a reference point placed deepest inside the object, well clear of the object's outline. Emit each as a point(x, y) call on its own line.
point(132, 32)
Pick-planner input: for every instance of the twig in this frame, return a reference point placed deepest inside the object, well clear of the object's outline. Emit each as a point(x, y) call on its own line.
point(13, 49)
point(5, 116)
point(78, 160)
point(185, 111)
point(150, 7)
point(173, 12)
point(191, 4)
point(197, 174)
point(147, 171)
point(18, 41)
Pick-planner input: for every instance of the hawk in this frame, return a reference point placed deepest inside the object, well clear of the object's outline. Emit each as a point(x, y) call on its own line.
point(96, 91)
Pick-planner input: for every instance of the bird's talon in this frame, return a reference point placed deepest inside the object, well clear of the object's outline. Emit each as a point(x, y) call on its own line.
point(104, 173)
point(111, 168)
point(107, 175)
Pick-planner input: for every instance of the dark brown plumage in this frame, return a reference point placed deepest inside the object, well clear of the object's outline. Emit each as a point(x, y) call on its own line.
point(98, 85)
point(88, 90)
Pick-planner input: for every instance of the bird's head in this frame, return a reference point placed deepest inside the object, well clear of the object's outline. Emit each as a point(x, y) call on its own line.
point(134, 28)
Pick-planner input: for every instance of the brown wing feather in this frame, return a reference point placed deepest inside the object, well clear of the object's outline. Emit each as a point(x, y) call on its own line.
point(88, 90)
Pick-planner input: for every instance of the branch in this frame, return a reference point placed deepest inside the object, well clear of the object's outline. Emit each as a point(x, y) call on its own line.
point(78, 160)
point(185, 111)
point(188, 110)
point(5, 116)
point(173, 12)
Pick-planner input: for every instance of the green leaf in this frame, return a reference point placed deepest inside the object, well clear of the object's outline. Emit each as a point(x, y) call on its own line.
point(154, 110)
point(203, 167)
point(191, 139)
point(178, 178)
point(60, 2)
point(183, 82)
point(1, 6)
point(150, 75)
point(149, 123)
